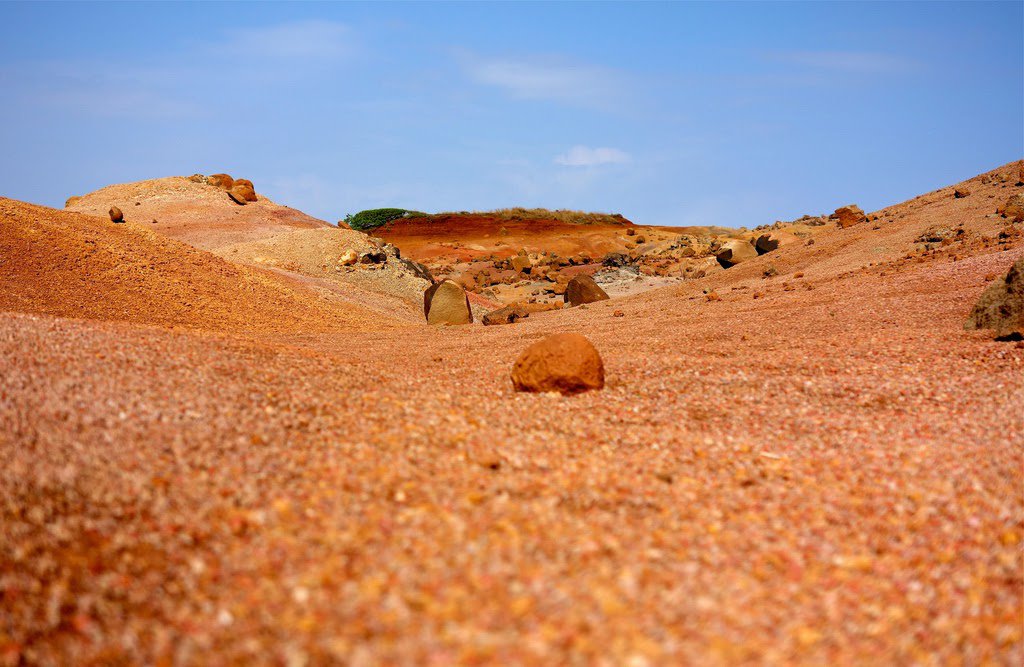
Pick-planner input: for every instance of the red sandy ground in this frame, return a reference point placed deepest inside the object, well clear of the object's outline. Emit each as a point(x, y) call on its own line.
point(819, 476)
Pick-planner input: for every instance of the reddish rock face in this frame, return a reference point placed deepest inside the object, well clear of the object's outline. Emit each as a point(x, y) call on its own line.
point(222, 181)
point(245, 192)
point(582, 289)
point(566, 363)
point(238, 197)
point(848, 216)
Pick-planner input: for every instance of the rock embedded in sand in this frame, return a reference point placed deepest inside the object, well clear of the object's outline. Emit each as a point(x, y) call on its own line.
point(348, 258)
point(447, 303)
point(116, 215)
point(734, 252)
point(960, 193)
point(1001, 306)
point(582, 289)
point(506, 315)
point(848, 216)
point(238, 197)
point(566, 363)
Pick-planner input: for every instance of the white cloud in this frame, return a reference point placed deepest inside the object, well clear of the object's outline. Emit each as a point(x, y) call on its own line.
point(547, 80)
point(584, 156)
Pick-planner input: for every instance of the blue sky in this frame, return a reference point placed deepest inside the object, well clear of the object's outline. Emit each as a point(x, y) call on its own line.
point(731, 113)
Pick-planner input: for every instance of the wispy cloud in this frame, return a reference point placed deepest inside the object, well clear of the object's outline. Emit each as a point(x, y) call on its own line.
point(855, 62)
point(298, 40)
point(546, 79)
point(584, 156)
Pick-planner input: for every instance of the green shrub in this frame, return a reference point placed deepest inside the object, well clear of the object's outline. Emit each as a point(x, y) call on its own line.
point(375, 217)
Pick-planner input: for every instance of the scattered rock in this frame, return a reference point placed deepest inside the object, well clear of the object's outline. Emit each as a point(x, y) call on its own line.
point(446, 303)
point(582, 289)
point(734, 252)
point(198, 178)
point(1001, 306)
point(616, 259)
point(373, 257)
point(940, 233)
point(618, 313)
point(348, 258)
point(238, 197)
point(71, 201)
point(507, 315)
point(960, 193)
point(848, 216)
point(1013, 208)
point(418, 270)
point(630, 232)
point(222, 181)
point(566, 363)
point(521, 263)
point(116, 215)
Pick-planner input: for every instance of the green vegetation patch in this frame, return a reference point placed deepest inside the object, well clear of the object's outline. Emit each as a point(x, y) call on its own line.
point(375, 217)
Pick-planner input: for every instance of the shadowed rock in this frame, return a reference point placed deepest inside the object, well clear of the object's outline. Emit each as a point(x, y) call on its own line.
point(566, 363)
point(116, 215)
point(582, 289)
point(765, 244)
point(1001, 306)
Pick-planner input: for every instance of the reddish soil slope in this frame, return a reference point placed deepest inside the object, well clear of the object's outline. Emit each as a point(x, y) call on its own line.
point(75, 265)
point(199, 214)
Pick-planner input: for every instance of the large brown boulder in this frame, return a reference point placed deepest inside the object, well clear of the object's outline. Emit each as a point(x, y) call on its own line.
point(116, 215)
point(506, 315)
point(244, 191)
point(566, 363)
point(1013, 208)
point(1001, 306)
point(582, 289)
point(734, 252)
point(222, 181)
point(765, 244)
point(238, 197)
point(447, 303)
point(848, 216)
point(521, 264)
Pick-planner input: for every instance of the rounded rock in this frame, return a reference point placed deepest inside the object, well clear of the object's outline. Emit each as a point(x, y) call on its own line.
point(566, 363)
